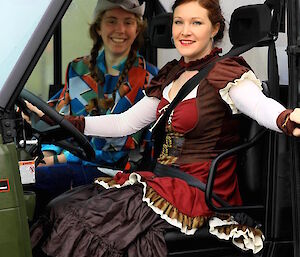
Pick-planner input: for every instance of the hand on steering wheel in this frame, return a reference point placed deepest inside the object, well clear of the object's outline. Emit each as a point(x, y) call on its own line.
point(36, 108)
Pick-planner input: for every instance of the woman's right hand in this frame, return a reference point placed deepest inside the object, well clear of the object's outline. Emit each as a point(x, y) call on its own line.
point(295, 117)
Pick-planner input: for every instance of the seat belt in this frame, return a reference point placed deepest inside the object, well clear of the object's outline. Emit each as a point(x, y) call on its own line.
point(161, 170)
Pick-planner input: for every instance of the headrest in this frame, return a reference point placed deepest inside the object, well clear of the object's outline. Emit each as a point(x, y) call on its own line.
point(249, 24)
point(160, 31)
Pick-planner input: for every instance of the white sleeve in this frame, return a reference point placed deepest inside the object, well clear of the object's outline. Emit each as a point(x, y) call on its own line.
point(117, 125)
point(250, 100)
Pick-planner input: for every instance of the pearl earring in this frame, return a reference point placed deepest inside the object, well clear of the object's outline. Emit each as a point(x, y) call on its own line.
point(172, 40)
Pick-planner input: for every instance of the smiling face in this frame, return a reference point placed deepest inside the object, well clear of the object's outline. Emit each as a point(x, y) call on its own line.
point(118, 30)
point(193, 31)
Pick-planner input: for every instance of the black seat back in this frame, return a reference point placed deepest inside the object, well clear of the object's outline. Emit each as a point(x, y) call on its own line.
point(250, 24)
point(252, 164)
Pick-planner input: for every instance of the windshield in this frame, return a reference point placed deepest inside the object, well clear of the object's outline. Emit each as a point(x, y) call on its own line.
point(17, 26)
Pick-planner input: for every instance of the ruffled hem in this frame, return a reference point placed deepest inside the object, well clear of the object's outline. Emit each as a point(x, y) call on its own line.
point(224, 92)
point(244, 237)
point(187, 225)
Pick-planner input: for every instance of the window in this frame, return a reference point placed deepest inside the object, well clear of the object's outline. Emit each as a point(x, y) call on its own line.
point(75, 43)
point(18, 29)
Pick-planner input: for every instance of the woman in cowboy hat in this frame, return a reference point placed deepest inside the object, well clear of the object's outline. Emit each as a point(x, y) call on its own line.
point(109, 80)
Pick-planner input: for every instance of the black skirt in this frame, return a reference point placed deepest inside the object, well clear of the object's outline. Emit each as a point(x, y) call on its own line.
point(93, 221)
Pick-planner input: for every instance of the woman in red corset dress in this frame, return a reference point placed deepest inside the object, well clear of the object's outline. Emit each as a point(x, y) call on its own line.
point(127, 214)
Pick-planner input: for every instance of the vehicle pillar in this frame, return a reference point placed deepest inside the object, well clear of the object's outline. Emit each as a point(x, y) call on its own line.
point(14, 229)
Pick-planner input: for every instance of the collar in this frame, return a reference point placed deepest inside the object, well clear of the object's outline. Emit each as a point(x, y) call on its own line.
point(194, 65)
point(180, 66)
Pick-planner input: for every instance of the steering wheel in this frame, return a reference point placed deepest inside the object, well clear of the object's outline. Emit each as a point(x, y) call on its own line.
point(84, 151)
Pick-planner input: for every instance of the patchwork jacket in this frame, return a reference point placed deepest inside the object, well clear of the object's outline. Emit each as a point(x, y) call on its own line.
point(76, 98)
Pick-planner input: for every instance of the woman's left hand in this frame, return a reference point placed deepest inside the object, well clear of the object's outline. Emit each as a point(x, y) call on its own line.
point(32, 108)
point(295, 117)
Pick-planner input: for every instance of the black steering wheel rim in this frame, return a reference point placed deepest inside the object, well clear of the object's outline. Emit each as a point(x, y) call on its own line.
point(88, 150)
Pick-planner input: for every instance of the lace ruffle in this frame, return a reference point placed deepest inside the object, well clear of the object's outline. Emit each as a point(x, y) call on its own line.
point(224, 92)
point(243, 237)
point(190, 65)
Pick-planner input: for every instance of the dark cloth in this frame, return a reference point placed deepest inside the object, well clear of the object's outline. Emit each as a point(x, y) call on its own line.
point(93, 221)
point(51, 181)
point(61, 177)
point(285, 124)
point(77, 121)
